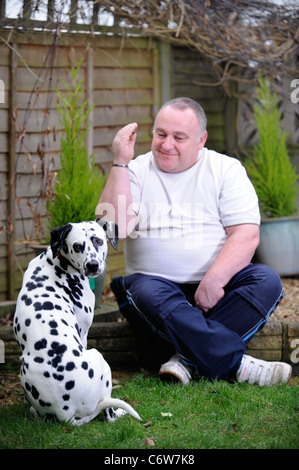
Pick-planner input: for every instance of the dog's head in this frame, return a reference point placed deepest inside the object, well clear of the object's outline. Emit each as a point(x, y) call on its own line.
point(84, 245)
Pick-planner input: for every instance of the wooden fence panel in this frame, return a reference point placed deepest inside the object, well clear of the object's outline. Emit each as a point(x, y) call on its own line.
point(124, 89)
point(192, 77)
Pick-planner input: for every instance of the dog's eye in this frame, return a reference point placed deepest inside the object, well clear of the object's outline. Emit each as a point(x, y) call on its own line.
point(98, 241)
point(77, 247)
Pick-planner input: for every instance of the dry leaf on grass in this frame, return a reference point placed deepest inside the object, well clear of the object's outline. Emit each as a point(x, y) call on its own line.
point(149, 442)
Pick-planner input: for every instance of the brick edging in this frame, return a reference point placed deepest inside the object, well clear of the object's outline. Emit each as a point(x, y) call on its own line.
point(277, 341)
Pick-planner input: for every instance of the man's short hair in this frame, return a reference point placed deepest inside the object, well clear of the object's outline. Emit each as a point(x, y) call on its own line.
point(184, 103)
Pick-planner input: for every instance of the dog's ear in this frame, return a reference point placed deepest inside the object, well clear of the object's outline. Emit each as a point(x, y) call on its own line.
point(58, 235)
point(111, 230)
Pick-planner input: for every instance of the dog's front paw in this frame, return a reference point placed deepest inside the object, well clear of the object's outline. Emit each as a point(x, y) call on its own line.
point(34, 412)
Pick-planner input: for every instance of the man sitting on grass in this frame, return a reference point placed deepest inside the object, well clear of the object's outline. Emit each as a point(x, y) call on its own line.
point(190, 218)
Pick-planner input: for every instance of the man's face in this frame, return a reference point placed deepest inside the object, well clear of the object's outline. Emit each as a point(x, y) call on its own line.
point(176, 141)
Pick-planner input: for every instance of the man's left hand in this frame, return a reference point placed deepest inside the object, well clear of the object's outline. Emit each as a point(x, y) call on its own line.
point(208, 294)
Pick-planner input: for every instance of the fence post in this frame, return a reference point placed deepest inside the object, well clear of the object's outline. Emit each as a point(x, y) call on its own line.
point(11, 271)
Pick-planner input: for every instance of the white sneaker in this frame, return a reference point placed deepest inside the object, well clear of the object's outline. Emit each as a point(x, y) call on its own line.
point(257, 371)
point(176, 369)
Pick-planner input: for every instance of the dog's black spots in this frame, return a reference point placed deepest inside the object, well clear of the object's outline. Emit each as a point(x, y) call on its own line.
point(37, 306)
point(27, 322)
point(38, 359)
point(54, 332)
point(46, 374)
point(76, 339)
point(24, 337)
point(27, 387)
point(56, 361)
point(40, 278)
point(75, 288)
point(79, 344)
point(64, 322)
point(49, 261)
point(36, 271)
point(58, 271)
point(32, 285)
point(77, 328)
point(84, 365)
point(38, 316)
point(65, 397)
point(58, 348)
point(26, 299)
point(56, 352)
point(70, 384)
point(102, 377)
point(74, 293)
point(107, 383)
point(47, 305)
point(76, 353)
point(44, 404)
point(90, 373)
point(42, 344)
point(36, 281)
point(53, 325)
point(45, 295)
point(34, 392)
point(58, 377)
point(65, 408)
point(70, 366)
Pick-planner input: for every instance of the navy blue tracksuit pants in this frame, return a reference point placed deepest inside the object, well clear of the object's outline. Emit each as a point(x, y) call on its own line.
point(212, 342)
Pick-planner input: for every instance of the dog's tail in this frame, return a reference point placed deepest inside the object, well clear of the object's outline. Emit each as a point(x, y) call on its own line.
point(103, 405)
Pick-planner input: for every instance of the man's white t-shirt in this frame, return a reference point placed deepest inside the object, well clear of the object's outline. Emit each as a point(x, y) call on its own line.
point(182, 216)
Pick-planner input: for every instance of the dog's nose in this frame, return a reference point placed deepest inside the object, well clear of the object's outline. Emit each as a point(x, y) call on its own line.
point(92, 266)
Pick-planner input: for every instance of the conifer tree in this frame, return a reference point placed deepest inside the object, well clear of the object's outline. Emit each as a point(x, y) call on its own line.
point(270, 169)
point(79, 182)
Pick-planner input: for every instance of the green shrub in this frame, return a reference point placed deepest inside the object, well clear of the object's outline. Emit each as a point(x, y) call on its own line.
point(270, 169)
point(79, 182)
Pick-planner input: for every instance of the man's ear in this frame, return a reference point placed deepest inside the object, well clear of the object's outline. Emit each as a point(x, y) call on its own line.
point(111, 230)
point(58, 235)
point(202, 140)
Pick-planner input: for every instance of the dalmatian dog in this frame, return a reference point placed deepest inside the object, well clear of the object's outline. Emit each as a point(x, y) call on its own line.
point(54, 311)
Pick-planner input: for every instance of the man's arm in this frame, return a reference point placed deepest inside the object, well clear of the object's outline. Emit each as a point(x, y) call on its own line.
point(235, 255)
point(116, 198)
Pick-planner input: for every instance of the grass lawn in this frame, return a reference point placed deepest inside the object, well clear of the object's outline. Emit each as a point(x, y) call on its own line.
point(203, 415)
